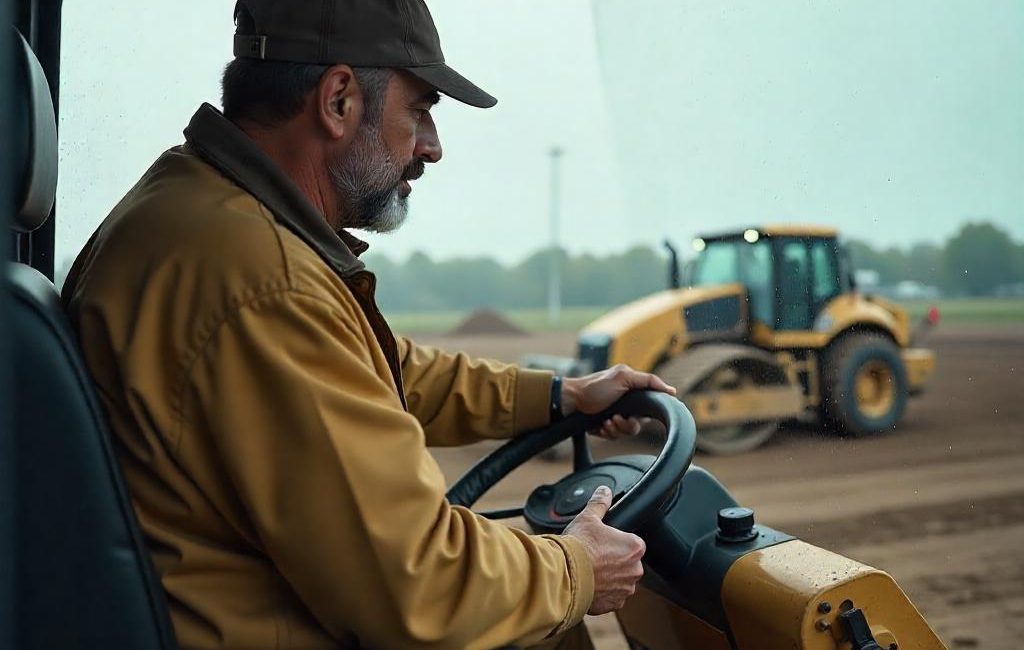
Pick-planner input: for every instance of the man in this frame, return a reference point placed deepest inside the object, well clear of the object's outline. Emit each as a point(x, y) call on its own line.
point(272, 429)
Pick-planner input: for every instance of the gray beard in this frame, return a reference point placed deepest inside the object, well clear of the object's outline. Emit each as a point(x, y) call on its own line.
point(367, 181)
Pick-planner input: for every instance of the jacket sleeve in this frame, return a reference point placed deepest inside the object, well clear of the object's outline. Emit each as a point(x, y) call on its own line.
point(460, 400)
point(348, 503)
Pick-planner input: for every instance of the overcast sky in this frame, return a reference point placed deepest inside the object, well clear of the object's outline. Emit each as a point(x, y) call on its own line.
point(896, 121)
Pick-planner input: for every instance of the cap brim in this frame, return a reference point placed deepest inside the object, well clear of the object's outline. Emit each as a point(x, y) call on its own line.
point(453, 84)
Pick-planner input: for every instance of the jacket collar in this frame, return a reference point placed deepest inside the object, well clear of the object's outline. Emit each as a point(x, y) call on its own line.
point(224, 146)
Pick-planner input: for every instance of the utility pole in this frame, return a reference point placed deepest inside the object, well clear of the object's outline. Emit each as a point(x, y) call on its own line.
point(554, 270)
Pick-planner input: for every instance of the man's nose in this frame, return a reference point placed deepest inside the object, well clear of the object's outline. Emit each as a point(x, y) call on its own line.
point(428, 144)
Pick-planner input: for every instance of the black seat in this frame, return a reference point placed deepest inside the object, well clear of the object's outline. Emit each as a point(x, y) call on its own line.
point(84, 577)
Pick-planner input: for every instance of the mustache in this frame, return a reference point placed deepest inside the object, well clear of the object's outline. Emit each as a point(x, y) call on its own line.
point(413, 170)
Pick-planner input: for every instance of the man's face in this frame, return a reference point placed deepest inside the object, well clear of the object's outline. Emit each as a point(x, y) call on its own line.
point(373, 175)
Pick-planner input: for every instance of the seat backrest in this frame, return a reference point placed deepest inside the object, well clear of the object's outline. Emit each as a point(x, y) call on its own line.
point(84, 578)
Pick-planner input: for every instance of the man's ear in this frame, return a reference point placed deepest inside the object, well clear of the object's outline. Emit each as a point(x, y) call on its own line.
point(339, 104)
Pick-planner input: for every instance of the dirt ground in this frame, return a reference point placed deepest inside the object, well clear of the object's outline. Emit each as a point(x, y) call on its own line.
point(938, 503)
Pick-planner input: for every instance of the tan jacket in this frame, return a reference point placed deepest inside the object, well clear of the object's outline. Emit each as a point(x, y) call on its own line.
point(274, 433)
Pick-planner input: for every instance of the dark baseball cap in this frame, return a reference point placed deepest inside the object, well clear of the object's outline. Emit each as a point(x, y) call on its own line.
point(359, 33)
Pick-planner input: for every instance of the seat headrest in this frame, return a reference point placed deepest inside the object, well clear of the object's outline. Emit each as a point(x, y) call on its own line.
point(36, 142)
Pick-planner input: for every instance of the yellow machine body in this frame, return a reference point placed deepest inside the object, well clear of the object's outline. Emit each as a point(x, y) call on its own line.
point(785, 597)
point(647, 331)
point(659, 332)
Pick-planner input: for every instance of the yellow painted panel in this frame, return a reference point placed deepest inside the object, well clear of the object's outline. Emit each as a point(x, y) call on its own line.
point(841, 313)
point(647, 329)
point(772, 598)
point(798, 230)
point(745, 405)
point(920, 365)
point(787, 340)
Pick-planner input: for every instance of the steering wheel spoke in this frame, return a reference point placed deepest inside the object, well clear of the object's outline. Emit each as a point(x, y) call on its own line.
point(582, 458)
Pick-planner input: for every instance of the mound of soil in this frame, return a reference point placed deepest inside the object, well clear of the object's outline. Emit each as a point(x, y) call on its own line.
point(486, 322)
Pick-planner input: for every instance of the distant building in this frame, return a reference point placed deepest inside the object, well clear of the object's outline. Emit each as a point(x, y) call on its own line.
point(911, 290)
point(870, 281)
point(866, 279)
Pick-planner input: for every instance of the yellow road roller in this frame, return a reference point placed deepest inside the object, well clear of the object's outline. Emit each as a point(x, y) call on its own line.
point(770, 328)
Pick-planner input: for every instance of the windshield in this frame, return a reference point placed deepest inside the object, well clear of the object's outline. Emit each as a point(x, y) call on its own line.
point(734, 260)
point(895, 126)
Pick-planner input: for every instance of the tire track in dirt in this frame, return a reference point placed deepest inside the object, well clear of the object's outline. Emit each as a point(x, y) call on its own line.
point(887, 526)
point(788, 503)
point(969, 584)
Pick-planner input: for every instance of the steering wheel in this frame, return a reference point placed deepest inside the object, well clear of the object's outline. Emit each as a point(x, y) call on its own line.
point(639, 483)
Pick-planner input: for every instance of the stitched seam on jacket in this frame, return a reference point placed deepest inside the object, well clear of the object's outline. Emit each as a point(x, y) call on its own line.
point(206, 329)
point(200, 349)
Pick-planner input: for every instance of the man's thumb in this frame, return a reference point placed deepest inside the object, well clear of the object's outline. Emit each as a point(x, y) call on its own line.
point(599, 502)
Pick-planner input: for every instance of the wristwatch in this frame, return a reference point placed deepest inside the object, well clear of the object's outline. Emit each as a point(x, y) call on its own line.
point(556, 399)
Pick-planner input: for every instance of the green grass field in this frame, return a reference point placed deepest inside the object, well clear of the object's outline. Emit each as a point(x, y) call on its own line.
point(959, 311)
point(972, 311)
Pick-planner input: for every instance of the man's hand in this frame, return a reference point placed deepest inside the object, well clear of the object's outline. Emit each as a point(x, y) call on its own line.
point(598, 391)
point(615, 555)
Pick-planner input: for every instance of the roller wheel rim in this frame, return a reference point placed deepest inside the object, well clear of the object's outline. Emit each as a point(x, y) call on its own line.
point(875, 388)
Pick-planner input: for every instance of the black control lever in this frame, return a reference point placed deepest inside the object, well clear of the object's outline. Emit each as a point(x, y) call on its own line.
point(856, 627)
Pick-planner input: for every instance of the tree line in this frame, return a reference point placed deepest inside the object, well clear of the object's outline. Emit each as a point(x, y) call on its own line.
point(422, 284)
point(976, 261)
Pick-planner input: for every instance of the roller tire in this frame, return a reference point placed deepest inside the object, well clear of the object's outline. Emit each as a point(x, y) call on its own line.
point(875, 361)
point(690, 373)
point(737, 439)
